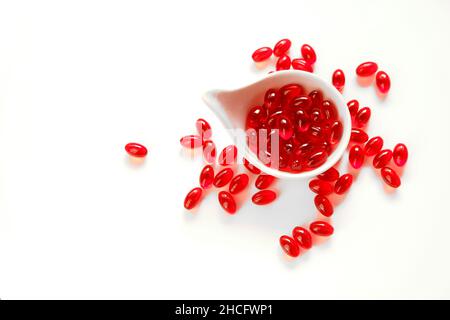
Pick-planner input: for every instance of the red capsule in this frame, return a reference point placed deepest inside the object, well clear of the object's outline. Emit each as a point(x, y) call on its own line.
point(285, 128)
point(321, 228)
point(323, 205)
point(320, 187)
point(209, 151)
point(373, 146)
point(207, 177)
point(262, 54)
point(301, 64)
point(136, 150)
point(358, 135)
point(264, 181)
point(316, 98)
point(251, 167)
point(363, 117)
point(256, 117)
point(289, 246)
point(303, 237)
point(272, 99)
point(400, 154)
point(330, 175)
point(223, 177)
point(383, 82)
point(289, 92)
point(343, 183)
point(281, 47)
point(203, 128)
point(338, 79)
point(283, 63)
point(330, 113)
point(382, 158)
point(308, 53)
point(353, 106)
point(264, 197)
point(238, 183)
point(390, 177)
point(336, 132)
point(228, 155)
point(356, 156)
point(227, 202)
point(366, 69)
point(193, 198)
point(316, 159)
point(192, 141)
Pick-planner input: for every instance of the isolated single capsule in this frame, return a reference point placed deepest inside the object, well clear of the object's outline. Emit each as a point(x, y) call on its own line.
point(193, 198)
point(303, 237)
point(301, 64)
point(323, 205)
point(227, 202)
point(366, 69)
point(223, 177)
point(373, 146)
point(264, 181)
point(343, 183)
point(321, 228)
point(281, 47)
point(338, 79)
point(264, 197)
point(308, 53)
point(238, 183)
point(400, 154)
point(191, 141)
point(390, 177)
point(207, 177)
point(289, 246)
point(383, 82)
point(136, 150)
point(356, 156)
point(262, 54)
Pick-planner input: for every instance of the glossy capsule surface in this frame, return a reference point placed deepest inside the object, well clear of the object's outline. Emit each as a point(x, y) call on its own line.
point(281, 47)
point(303, 237)
point(193, 198)
point(283, 63)
point(223, 177)
point(320, 187)
point(203, 129)
point(301, 64)
point(207, 177)
point(228, 155)
point(366, 69)
point(390, 177)
point(289, 246)
point(343, 183)
point(353, 107)
point(324, 205)
point(262, 54)
point(356, 156)
point(264, 197)
point(338, 79)
point(264, 181)
point(330, 175)
point(383, 82)
point(321, 228)
point(382, 158)
point(363, 117)
point(358, 135)
point(209, 151)
point(227, 202)
point(238, 183)
point(400, 154)
point(308, 53)
point(136, 150)
point(191, 141)
point(373, 146)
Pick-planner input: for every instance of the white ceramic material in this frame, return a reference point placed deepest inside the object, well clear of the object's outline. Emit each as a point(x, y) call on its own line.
point(232, 106)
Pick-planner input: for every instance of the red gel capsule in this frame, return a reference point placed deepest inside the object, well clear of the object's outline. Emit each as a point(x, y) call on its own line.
point(264, 181)
point(373, 146)
point(281, 47)
point(272, 99)
point(308, 53)
point(207, 177)
point(321, 228)
point(192, 141)
point(223, 177)
point(238, 183)
point(203, 129)
point(366, 69)
point(251, 167)
point(343, 183)
point(330, 175)
point(209, 151)
point(262, 54)
point(382, 158)
point(316, 159)
point(338, 79)
point(193, 198)
point(400, 154)
point(323, 205)
point(303, 237)
point(356, 157)
point(256, 117)
point(320, 187)
point(283, 63)
point(363, 117)
point(336, 132)
point(301, 64)
point(383, 82)
point(285, 127)
point(353, 106)
point(390, 177)
point(289, 246)
point(227, 202)
point(264, 197)
point(289, 92)
point(228, 155)
point(358, 136)
point(136, 150)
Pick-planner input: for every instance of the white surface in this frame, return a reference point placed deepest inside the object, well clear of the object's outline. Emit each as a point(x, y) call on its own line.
point(78, 80)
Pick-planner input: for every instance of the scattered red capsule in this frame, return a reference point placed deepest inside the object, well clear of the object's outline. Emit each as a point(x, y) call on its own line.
point(356, 156)
point(136, 150)
point(302, 64)
point(238, 183)
point(321, 228)
point(281, 47)
point(382, 158)
point(209, 151)
point(330, 175)
point(323, 205)
point(320, 187)
point(390, 177)
point(366, 69)
point(308, 53)
point(207, 177)
point(303, 237)
point(203, 129)
point(262, 54)
point(358, 136)
point(338, 79)
point(383, 82)
point(289, 246)
point(192, 141)
point(400, 154)
point(227, 202)
point(223, 177)
point(193, 198)
point(353, 106)
point(343, 183)
point(251, 167)
point(283, 63)
point(264, 197)
point(228, 155)
point(264, 181)
point(363, 117)
point(373, 146)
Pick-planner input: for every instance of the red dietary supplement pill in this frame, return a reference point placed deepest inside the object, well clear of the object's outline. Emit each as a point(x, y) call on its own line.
point(400, 154)
point(338, 79)
point(272, 99)
point(363, 117)
point(303, 237)
point(308, 54)
point(321, 228)
point(227, 202)
point(285, 127)
point(203, 129)
point(262, 54)
point(330, 175)
point(193, 198)
point(366, 69)
point(264, 181)
point(336, 132)
point(228, 155)
point(207, 177)
point(302, 64)
point(343, 183)
point(390, 177)
point(209, 151)
point(353, 106)
point(289, 246)
point(383, 82)
point(264, 197)
point(320, 187)
point(358, 136)
point(356, 157)
point(283, 63)
point(192, 141)
point(323, 205)
point(238, 183)
point(251, 167)
point(373, 146)
point(136, 150)
point(316, 159)
point(289, 92)
point(281, 47)
point(223, 177)
point(256, 117)
point(382, 158)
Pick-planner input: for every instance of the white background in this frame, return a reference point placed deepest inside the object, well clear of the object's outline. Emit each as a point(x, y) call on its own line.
point(80, 79)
